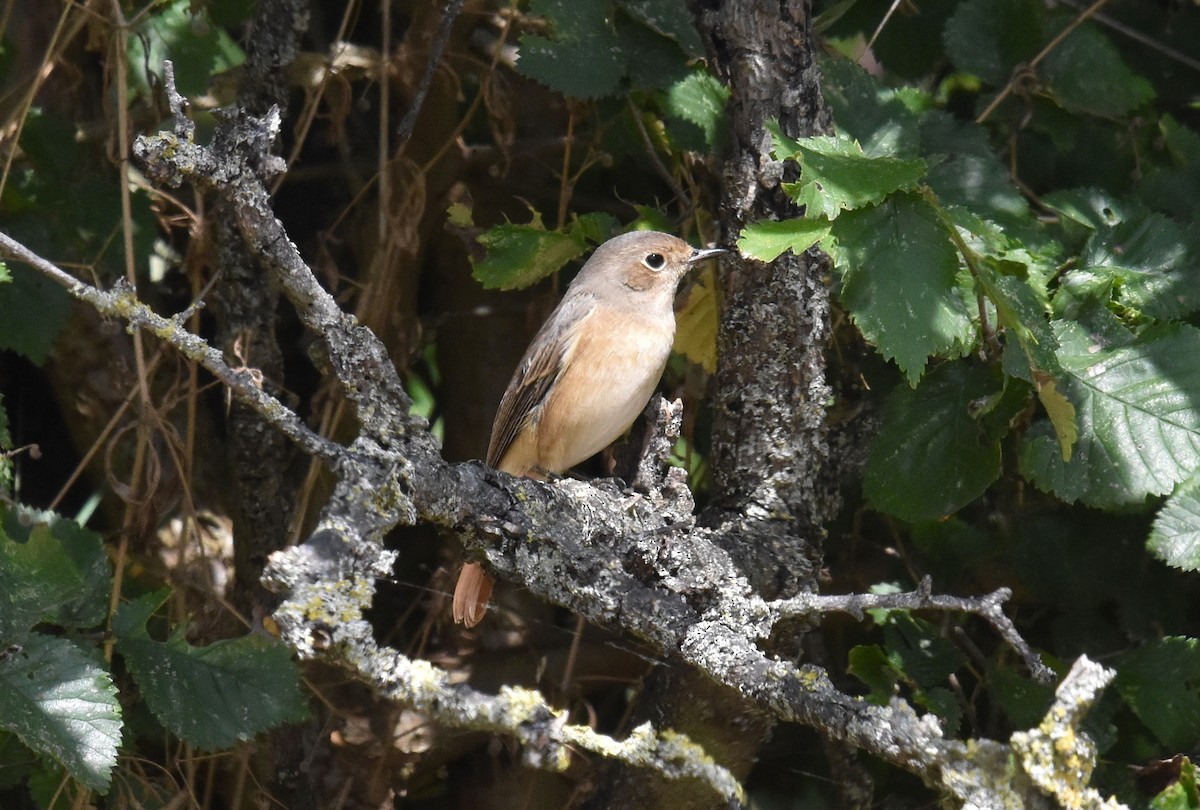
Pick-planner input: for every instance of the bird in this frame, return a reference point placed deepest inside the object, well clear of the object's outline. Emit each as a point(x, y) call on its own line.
point(588, 373)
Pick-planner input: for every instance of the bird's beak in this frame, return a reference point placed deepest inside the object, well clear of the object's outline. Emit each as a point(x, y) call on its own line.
point(700, 254)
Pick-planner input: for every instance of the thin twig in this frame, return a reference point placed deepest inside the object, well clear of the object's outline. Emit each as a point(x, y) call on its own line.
point(988, 607)
point(449, 13)
point(1054, 43)
point(121, 303)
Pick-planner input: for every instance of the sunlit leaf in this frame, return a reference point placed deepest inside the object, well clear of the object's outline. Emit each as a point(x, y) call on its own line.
point(1138, 418)
point(1175, 536)
point(836, 175)
point(62, 704)
point(766, 239)
point(899, 281)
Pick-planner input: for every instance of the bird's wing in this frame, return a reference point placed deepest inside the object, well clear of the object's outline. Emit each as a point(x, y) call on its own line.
point(535, 377)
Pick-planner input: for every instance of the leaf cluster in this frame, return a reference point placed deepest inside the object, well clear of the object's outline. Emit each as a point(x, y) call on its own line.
point(59, 684)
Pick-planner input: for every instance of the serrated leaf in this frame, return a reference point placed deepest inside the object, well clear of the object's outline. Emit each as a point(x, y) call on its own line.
point(988, 38)
point(836, 175)
point(700, 99)
point(583, 58)
point(1085, 73)
point(899, 281)
point(875, 116)
point(1139, 425)
point(521, 255)
point(696, 323)
point(62, 705)
point(671, 19)
point(1022, 315)
point(965, 171)
point(1175, 535)
point(1092, 207)
point(919, 650)
point(650, 219)
point(931, 456)
point(31, 292)
point(766, 239)
point(1152, 263)
point(51, 570)
point(1159, 683)
point(246, 685)
point(594, 227)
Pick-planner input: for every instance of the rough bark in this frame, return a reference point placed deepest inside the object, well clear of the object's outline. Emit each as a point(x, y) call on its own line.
point(245, 303)
point(773, 493)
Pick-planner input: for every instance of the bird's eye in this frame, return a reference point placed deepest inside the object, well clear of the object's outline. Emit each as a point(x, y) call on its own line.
point(654, 261)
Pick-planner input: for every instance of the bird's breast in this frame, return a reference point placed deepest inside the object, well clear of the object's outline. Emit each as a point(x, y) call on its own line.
point(608, 376)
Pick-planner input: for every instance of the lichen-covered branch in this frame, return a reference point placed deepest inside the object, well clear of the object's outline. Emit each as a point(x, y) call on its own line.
point(122, 304)
point(989, 607)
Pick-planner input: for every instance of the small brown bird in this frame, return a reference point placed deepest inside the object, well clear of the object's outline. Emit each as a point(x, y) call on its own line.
point(589, 371)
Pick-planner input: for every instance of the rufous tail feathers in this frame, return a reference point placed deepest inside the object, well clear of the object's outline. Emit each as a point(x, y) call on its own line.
point(471, 594)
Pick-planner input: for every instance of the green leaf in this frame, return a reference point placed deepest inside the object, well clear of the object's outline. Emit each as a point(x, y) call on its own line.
point(671, 19)
point(700, 99)
point(51, 570)
point(1086, 74)
point(1175, 536)
point(1159, 683)
point(931, 456)
point(1139, 427)
point(583, 59)
point(62, 705)
point(964, 170)
point(1092, 207)
point(869, 663)
point(1152, 263)
point(4, 274)
point(991, 37)
point(766, 239)
point(246, 685)
point(919, 650)
point(1024, 701)
point(879, 118)
point(180, 31)
point(1023, 316)
point(31, 292)
point(836, 174)
point(899, 281)
point(594, 227)
point(521, 255)
point(592, 51)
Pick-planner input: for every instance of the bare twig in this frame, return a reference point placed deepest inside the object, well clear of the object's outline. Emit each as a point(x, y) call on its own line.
point(449, 13)
point(122, 303)
point(1050, 46)
point(988, 607)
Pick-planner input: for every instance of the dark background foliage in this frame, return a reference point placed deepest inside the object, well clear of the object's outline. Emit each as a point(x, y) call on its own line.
point(1014, 358)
